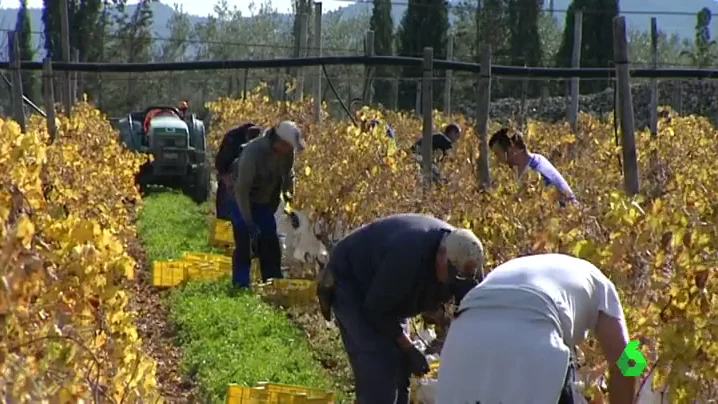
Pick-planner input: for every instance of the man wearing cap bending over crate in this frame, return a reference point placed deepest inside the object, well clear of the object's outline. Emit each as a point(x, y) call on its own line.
point(265, 164)
point(383, 273)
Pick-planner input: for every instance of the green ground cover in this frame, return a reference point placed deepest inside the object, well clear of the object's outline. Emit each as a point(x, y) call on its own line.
point(225, 337)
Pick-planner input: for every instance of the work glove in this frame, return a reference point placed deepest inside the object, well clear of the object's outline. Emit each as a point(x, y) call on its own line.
point(416, 362)
point(325, 292)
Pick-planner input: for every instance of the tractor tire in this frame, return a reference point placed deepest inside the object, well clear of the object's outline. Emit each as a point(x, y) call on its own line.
point(201, 184)
point(143, 177)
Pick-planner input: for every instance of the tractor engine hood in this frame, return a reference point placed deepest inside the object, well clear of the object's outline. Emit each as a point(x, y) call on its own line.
point(168, 131)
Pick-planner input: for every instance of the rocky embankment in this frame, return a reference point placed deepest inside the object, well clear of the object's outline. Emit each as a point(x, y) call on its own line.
point(687, 97)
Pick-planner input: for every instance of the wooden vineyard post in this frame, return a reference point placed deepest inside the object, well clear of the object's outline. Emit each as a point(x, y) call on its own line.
point(449, 77)
point(76, 95)
point(426, 109)
point(65, 32)
point(654, 82)
point(318, 53)
point(482, 117)
point(16, 79)
point(368, 96)
point(299, 90)
point(49, 98)
point(625, 101)
point(575, 63)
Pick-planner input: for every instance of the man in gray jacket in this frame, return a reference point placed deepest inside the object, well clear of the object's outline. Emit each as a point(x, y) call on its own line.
point(265, 166)
point(383, 273)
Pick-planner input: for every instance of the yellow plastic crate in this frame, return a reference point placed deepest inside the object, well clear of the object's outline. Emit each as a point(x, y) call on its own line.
point(273, 393)
point(173, 272)
point(205, 271)
point(245, 395)
point(276, 388)
point(220, 234)
point(217, 259)
point(433, 374)
point(168, 273)
point(290, 292)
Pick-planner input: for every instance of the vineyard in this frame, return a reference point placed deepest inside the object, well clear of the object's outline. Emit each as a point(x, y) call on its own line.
point(68, 263)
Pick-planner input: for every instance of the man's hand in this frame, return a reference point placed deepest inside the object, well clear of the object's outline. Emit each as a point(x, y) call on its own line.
point(325, 292)
point(416, 362)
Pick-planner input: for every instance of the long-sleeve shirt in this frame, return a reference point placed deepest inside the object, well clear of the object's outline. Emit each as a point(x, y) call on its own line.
point(550, 176)
point(259, 172)
point(390, 266)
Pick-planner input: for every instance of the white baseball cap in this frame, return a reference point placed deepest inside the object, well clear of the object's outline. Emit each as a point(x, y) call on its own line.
point(463, 246)
point(290, 133)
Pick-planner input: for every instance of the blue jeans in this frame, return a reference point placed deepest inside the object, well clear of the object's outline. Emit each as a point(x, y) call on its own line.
point(222, 205)
point(269, 251)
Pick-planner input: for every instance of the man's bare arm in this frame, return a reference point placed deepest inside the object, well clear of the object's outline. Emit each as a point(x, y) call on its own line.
point(611, 337)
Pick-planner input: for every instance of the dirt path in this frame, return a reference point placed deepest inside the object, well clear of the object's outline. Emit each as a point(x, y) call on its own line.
point(157, 335)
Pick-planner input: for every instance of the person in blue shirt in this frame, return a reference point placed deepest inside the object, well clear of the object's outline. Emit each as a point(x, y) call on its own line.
point(512, 151)
point(383, 273)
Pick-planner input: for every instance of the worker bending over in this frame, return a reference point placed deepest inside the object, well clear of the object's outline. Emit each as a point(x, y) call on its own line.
point(511, 150)
point(441, 142)
point(512, 338)
point(228, 152)
point(383, 273)
point(265, 165)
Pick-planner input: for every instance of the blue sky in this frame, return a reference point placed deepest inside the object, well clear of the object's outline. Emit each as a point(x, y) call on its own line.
point(203, 8)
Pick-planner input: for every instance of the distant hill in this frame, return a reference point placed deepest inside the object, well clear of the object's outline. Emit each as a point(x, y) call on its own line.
point(638, 13)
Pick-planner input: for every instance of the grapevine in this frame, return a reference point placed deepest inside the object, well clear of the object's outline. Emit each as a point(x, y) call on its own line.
point(67, 214)
point(67, 217)
point(659, 247)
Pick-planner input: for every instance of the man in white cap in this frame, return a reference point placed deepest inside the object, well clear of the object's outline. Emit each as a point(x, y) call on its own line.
point(265, 166)
point(383, 273)
point(512, 337)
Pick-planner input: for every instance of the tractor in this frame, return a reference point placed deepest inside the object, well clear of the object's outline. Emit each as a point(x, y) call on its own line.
point(178, 146)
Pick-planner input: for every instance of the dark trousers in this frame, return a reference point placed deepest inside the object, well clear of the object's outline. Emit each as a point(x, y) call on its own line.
point(269, 251)
point(567, 394)
point(222, 205)
point(381, 376)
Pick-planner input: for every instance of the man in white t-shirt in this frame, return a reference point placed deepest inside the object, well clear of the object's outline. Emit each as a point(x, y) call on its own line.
point(512, 338)
point(511, 150)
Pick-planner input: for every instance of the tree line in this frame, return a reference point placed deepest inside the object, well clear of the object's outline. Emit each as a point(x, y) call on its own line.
point(520, 32)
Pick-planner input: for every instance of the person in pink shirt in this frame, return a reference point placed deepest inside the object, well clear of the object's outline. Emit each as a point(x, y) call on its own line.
point(511, 150)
